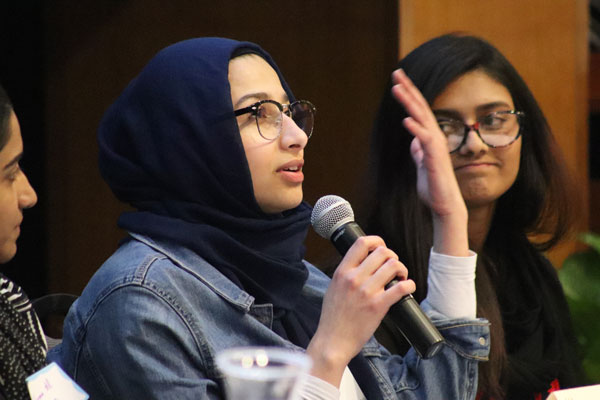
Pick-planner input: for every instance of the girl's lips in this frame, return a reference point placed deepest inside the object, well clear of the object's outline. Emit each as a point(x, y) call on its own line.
point(292, 165)
point(478, 165)
point(292, 171)
point(292, 176)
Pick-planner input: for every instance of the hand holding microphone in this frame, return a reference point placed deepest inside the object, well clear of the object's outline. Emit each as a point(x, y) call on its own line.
point(354, 305)
point(333, 218)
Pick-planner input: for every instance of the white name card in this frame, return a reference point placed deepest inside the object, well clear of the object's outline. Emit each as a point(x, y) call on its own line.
point(52, 383)
point(580, 393)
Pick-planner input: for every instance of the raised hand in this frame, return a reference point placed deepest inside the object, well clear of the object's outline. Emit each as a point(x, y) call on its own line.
point(436, 182)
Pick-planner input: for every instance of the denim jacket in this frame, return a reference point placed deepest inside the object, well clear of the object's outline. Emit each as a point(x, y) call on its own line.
point(152, 319)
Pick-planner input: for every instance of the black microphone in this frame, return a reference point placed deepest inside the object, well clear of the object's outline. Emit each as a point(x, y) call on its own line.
point(332, 218)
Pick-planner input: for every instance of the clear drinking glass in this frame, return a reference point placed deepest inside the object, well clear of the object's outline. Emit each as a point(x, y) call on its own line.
point(263, 373)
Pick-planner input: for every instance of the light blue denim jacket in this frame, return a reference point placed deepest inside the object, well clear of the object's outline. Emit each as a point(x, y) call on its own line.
point(152, 319)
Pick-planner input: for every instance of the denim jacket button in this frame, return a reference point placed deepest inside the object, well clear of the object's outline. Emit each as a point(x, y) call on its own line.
point(482, 340)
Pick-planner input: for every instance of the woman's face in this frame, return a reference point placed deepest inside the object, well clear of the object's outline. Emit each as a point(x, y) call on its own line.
point(16, 193)
point(483, 173)
point(275, 165)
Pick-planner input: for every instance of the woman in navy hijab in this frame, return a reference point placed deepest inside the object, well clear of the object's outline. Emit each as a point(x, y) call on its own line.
point(207, 144)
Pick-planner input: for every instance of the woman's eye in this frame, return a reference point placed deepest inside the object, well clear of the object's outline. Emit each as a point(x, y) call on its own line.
point(13, 174)
point(447, 127)
point(493, 121)
point(261, 113)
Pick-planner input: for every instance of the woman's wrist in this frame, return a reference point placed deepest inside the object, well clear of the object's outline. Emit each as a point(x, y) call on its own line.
point(450, 233)
point(327, 364)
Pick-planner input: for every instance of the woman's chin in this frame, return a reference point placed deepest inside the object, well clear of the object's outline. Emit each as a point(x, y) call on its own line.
point(280, 204)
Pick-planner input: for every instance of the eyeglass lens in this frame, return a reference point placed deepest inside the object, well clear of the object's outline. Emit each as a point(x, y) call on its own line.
point(495, 130)
point(269, 118)
point(302, 115)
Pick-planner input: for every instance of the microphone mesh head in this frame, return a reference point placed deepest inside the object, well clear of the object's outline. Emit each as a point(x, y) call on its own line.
point(329, 213)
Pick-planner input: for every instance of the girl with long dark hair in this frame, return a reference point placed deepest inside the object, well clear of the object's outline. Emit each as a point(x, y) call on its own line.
point(514, 184)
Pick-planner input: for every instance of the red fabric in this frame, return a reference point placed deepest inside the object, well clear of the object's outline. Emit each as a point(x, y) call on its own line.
point(554, 386)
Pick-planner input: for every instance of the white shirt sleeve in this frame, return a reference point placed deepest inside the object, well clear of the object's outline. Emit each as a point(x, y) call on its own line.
point(317, 389)
point(451, 285)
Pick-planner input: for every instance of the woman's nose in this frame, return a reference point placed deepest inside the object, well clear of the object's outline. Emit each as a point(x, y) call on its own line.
point(291, 134)
point(27, 195)
point(474, 144)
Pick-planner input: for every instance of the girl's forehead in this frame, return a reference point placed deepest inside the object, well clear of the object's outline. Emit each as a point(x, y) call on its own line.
point(251, 78)
point(472, 91)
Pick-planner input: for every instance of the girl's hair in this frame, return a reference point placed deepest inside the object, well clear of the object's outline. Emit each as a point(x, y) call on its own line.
point(5, 109)
point(536, 204)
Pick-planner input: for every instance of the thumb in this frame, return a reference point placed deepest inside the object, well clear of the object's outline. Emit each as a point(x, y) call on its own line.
point(416, 151)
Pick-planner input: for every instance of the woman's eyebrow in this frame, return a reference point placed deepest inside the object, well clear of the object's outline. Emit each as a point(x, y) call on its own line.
point(448, 113)
point(454, 114)
point(492, 105)
point(257, 96)
point(13, 161)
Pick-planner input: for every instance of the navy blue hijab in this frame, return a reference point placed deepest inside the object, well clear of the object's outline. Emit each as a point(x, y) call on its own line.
point(170, 146)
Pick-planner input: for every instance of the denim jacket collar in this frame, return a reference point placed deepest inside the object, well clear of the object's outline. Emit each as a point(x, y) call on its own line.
point(199, 268)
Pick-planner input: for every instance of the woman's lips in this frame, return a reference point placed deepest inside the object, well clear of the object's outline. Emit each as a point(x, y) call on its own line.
point(474, 166)
point(292, 171)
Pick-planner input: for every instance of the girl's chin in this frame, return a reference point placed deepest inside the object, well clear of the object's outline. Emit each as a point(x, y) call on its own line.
point(280, 206)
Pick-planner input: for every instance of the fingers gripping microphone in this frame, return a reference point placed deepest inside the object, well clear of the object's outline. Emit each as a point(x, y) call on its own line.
point(332, 218)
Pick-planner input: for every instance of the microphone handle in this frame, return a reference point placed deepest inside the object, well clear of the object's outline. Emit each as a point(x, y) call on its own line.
point(344, 237)
point(406, 314)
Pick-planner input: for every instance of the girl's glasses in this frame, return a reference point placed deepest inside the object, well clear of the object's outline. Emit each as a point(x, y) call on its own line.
point(496, 129)
point(269, 116)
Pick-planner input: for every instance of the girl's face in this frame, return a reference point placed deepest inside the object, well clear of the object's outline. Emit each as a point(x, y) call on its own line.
point(16, 193)
point(483, 173)
point(275, 165)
